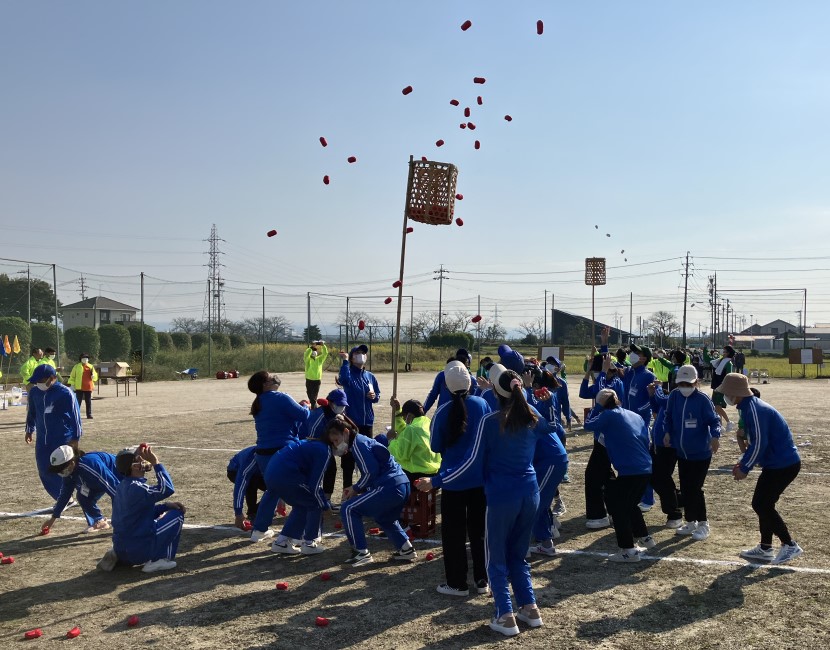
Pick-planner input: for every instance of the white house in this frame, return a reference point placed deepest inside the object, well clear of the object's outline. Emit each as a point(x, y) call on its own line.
point(94, 312)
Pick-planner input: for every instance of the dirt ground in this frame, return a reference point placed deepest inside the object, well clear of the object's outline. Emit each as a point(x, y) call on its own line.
point(688, 594)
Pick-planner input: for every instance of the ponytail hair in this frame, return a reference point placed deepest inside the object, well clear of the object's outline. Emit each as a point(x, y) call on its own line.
point(516, 413)
point(457, 418)
point(256, 384)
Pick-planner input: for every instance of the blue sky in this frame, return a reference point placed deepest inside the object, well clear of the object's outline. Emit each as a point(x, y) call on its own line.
point(128, 129)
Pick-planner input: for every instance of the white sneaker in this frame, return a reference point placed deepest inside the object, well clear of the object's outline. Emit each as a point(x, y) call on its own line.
point(101, 524)
point(530, 615)
point(559, 508)
point(261, 536)
point(626, 555)
point(158, 565)
point(598, 523)
point(758, 554)
point(556, 523)
point(542, 550)
point(311, 548)
point(788, 552)
point(285, 548)
point(647, 541)
point(451, 591)
point(483, 587)
point(505, 625)
point(687, 529)
point(674, 523)
point(702, 531)
point(644, 507)
point(730, 426)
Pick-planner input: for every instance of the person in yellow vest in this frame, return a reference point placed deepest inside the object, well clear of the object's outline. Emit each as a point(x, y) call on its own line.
point(82, 379)
point(314, 358)
point(49, 358)
point(411, 448)
point(28, 368)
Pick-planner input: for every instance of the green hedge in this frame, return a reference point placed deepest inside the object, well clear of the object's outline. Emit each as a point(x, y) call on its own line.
point(12, 326)
point(452, 340)
point(181, 340)
point(238, 341)
point(82, 339)
point(115, 343)
point(199, 341)
point(45, 335)
point(151, 340)
point(165, 341)
point(221, 341)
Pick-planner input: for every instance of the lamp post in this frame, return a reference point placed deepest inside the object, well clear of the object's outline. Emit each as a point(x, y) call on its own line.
point(594, 276)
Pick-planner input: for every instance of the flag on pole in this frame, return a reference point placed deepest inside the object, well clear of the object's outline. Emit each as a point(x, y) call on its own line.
point(6, 347)
point(15, 346)
point(3, 352)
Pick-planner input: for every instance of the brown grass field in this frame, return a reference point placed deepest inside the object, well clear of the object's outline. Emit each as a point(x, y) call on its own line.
point(686, 595)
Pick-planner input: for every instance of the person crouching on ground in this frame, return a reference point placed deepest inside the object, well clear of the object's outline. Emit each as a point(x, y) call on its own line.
point(625, 436)
point(145, 531)
point(411, 447)
point(381, 493)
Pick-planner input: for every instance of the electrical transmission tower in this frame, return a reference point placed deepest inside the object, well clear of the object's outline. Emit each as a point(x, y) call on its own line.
point(214, 310)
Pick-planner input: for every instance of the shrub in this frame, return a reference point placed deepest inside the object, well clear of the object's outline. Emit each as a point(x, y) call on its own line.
point(198, 341)
point(116, 344)
point(45, 335)
point(221, 341)
point(181, 340)
point(452, 340)
point(238, 341)
point(165, 341)
point(151, 340)
point(82, 339)
point(12, 326)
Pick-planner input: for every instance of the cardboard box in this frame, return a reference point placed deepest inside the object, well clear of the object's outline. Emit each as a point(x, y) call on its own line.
point(114, 369)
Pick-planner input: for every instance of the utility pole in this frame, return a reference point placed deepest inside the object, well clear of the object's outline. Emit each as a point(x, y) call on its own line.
point(552, 311)
point(545, 328)
point(82, 287)
point(308, 328)
point(440, 277)
point(685, 298)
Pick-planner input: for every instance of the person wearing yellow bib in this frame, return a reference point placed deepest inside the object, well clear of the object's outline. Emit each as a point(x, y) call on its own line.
point(82, 379)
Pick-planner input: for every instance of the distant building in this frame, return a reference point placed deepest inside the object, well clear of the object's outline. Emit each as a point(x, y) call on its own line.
point(774, 328)
point(574, 330)
point(94, 312)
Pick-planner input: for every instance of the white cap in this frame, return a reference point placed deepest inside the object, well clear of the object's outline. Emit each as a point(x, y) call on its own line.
point(686, 374)
point(495, 371)
point(457, 377)
point(61, 455)
point(603, 395)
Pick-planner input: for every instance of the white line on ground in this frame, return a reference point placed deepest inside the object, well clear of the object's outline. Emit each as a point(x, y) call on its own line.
point(559, 551)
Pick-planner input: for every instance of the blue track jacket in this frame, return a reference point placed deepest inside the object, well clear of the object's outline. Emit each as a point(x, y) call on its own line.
point(770, 440)
point(301, 464)
point(315, 426)
point(377, 466)
point(246, 468)
point(53, 414)
point(637, 399)
point(563, 401)
point(94, 473)
point(453, 455)
point(626, 439)
point(691, 423)
point(135, 507)
point(591, 392)
point(505, 459)
point(279, 420)
point(659, 401)
point(357, 382)
point(441, 392)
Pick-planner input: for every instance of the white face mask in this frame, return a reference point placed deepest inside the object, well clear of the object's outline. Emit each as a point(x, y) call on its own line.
point(729, 401)
point(341, 449)
point(85, 360)
point(686, 390)
point(51, 357)
point(633, 358)
point(359, 359)
point(42, 386)
point(337, 409)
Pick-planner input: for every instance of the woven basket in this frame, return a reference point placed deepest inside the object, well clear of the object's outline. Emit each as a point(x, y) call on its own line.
point(431, 197)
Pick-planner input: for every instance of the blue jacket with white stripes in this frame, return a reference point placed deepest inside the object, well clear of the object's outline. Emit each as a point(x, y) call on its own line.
point(94, 475)
point(135, 507)
point(378, 468)
point(691, 423)
point(770, 440)
point(504, 458)
point(246, 468)
point(54, 415)
point(590, 392)
point(636, 382)
point(442, 393)
point(357, 382)
point(278, 420)
point(315, 426)
point(300, 464)
point(659, 401)
point(625, 436)
point(452, 454)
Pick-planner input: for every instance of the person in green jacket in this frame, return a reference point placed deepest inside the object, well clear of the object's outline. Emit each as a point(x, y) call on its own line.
point(411, 448)
point(32, 362)
point(314, 357)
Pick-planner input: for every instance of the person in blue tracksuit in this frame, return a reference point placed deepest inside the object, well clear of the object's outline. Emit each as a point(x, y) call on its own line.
point(278, 419)
point(362, 391)
point(91, 475)
point(693, 429)
point(335, 404)
point(52, 414)
point(770, 447)
point(626, 438)
point(563, 401)
point(503, 451)
point(381, 493)
point(463, 506)
point(296, 474)
point(511, 359)
point(550, 462)
point(439, 386)
point(664, 459)
point(599, 475)
point(144, 530)
point(247, 480)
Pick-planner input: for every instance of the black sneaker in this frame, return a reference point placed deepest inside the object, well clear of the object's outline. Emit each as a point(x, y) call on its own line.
point(483, 587)
point(359, 558)
point(405, 555)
